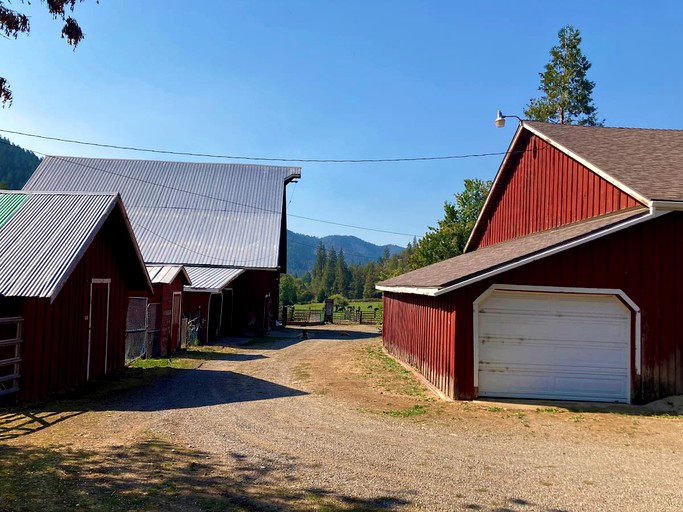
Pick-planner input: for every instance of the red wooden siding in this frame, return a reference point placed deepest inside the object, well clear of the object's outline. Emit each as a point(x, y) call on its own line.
point(643, 261)
point(544, 189)
point(415, 327)
point(56, 335)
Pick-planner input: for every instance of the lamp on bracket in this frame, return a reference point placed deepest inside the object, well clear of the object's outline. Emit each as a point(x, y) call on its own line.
point(500, 119)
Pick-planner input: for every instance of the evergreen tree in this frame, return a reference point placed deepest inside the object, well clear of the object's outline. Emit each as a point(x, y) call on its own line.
point(317, 278)
point(357, 282)
point(371, 278)
point(341, 276)
point(330, 270)
point(567, 93)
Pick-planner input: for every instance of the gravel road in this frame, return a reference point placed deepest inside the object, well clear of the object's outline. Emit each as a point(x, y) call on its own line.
point(267, 413)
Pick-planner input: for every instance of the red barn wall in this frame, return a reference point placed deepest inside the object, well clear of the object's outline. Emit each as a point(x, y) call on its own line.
point(416, 328)
point(545, 189)
point(56, 335)
point(643, 261)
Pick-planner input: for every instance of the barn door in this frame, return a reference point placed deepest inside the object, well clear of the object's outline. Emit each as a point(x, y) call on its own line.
point(176, 308)
point(98, 328)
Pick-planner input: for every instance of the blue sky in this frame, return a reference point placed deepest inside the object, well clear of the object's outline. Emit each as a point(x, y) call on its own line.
point(329, 79)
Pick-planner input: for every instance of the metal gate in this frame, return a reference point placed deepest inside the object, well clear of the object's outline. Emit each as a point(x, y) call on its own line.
point(10, 354)
point(136, 328)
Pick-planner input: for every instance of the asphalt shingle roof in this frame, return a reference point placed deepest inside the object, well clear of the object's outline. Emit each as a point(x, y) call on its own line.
point(471, 264)
point(649, 162)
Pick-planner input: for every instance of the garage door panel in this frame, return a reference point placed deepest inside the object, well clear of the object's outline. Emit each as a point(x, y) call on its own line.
point(546, 327)
point(535, 385)
point(550, 345)
point(570, 353)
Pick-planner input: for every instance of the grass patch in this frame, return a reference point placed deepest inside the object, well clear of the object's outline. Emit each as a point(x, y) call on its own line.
point(548, 410)
point(494, 409)
point(386, 374)
point(415, 410)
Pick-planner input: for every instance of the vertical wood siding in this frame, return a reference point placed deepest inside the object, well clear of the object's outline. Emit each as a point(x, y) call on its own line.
point(416, 330)
point(543, 189)
point(644, 261)
point(56, 335)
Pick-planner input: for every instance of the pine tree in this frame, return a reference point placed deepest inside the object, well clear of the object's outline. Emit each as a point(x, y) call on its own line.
point(341, 276)
point(567, 93)
point(318, 275)
point(330, 269)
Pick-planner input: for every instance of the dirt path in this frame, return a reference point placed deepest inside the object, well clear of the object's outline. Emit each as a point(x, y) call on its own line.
point(325, 424)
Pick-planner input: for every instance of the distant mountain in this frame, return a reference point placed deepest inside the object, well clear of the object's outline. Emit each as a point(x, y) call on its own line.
point(16, 165)
point(301, 250)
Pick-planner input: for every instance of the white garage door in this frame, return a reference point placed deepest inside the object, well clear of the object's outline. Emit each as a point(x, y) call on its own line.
point(554, 345)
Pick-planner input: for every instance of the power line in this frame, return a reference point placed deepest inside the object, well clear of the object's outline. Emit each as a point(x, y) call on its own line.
point(214, 198)
point(259, 159)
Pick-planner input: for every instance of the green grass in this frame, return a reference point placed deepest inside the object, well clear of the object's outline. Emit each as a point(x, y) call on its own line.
point(415, 410)
point(386, 373)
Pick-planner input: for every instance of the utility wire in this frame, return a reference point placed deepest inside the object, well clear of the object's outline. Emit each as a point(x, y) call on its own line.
point(207, 196)
point(255, 158)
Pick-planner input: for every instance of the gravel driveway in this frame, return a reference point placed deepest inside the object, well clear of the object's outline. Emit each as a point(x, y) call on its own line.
point(298, 416)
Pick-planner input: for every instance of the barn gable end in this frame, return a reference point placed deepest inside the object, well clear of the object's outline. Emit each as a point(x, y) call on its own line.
point(539, 187)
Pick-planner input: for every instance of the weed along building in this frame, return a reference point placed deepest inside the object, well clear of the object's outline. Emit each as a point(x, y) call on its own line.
point(224, 223)
point(569, 287)
point(68, 262)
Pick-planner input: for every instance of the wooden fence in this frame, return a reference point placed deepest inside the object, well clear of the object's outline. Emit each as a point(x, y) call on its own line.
point(291, 316)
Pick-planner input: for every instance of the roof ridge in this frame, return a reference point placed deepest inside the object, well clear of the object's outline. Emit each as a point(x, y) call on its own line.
point(142, 160)
point(634, 128)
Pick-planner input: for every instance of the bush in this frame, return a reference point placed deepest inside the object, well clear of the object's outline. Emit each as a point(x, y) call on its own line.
point(340, 300)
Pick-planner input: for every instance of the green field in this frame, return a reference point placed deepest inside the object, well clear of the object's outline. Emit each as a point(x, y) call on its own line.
point(363, 304)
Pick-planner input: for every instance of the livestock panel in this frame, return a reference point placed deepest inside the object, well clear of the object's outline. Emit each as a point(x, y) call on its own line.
point(542, 188)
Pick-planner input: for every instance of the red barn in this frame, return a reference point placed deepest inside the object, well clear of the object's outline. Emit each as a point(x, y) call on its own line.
point(67, 264)
point(568, 287)
point(212, 218)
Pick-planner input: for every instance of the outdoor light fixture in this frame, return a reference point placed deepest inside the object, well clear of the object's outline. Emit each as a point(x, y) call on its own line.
point(500, 119)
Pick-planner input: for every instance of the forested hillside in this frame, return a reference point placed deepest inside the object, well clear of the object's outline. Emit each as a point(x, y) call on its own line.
point(301, 250)
point(16, 165)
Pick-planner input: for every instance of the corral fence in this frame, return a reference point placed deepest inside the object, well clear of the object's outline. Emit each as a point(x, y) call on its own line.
point(290, 316)
point(10, 354)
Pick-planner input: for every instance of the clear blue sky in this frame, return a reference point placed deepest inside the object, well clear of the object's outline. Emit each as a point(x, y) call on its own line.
point(330, 79)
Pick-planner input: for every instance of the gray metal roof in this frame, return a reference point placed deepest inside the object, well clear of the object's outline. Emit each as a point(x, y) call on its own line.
point(166, 274)
point(211, 278)
point(186, 213)
point(44, 236)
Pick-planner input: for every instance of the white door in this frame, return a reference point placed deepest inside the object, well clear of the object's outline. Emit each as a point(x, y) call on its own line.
point(554, 345)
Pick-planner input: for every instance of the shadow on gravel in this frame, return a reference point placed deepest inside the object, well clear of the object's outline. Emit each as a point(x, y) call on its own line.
point(671, 406)
point(157, 475)
point(151, 389)
point(271, 342)
point(182, 389)
point(221, 356)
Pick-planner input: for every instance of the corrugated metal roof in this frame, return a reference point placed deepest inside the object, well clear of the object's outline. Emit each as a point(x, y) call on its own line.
point(166, 274)
point(211, 278)
point(44, 239)
point(186, 213)
point(10, 203)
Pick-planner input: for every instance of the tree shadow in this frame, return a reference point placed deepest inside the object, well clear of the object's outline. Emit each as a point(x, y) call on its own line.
point(158, 475)
point(182, 389)
point(340, 333)
point(219, 356)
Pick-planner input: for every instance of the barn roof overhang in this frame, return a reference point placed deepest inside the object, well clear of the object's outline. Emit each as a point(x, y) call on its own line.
point(490, 261)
